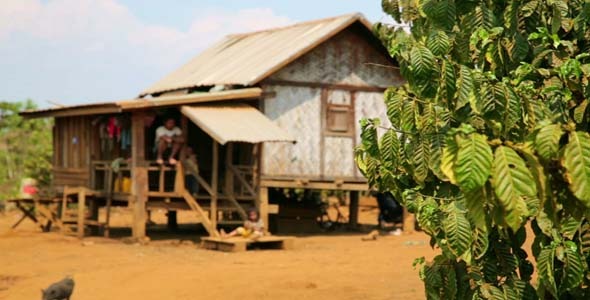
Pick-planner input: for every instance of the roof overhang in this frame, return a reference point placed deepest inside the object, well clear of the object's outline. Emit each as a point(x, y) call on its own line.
point(236, 123)
point(144, 103)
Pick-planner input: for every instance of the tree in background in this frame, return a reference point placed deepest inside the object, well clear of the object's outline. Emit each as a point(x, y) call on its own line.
point(490, 134)
point(25, 148)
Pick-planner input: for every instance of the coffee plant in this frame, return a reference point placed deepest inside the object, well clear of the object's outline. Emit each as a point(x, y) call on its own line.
point(488, 144)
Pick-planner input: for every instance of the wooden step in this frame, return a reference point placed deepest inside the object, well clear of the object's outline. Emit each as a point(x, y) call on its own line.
point(238, 244)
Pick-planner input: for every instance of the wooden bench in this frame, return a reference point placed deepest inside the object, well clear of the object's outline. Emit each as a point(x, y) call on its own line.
point(239, 244)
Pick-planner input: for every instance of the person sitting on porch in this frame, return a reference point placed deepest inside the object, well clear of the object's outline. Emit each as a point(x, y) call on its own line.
point(253, 227)
point(168, 136)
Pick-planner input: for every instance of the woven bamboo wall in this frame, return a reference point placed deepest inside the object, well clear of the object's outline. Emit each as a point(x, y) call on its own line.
point(338, 157)
point(297, 110)
point(347, 58)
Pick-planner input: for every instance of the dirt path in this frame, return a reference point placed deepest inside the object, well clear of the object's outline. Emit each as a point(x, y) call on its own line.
point(321, 267)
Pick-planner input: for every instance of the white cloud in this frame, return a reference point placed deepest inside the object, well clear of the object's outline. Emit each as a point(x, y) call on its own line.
point(74, 50)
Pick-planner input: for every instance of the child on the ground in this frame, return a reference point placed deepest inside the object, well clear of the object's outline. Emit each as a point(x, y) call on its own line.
point(253, 227)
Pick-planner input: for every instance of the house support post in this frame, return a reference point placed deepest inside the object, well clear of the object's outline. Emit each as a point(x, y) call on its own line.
point(353, 213)
point(139, 175)
point(262, 205)
point(214, 184)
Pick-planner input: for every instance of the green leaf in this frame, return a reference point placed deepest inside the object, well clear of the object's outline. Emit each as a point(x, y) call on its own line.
point(369, 136)
point(465, 87)
point(512, 180)
point(576, 160)
point(448, 81)
point(519, 48)
point(422, 61)
point(389, 148)
point(457, 229)
point(547, 141)
point(421, 159)
point(392, 8)
point(394, 101)
point(447, 162)
point(475, 201)
point(580, 111)
point(545, 263)
point(512, 108)
point(569, 226)
point(438, 42)
point(573, 270)
point(407, 118)
point(437, 144)
point(480, 243)
point(474, 162)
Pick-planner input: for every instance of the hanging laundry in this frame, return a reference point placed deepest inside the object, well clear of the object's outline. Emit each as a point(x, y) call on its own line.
point(113, 128)
point(125, 139)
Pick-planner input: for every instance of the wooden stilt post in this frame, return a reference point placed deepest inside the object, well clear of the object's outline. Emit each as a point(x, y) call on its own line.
point(172, 220)
point(139, 174)
point(229, 178)
point(263, 205)
point(93, 209)
point(409, 222)
point(353, 209)
point(81, 212)
point(214, 184)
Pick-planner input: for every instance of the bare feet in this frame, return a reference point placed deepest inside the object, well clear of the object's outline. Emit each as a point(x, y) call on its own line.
point(160, 161)
point(172, 161)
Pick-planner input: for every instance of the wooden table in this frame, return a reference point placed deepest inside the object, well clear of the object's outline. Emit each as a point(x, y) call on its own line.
point(42, 212)
point(238, 244)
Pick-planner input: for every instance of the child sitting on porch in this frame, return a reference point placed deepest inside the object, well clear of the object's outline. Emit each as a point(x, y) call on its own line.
point(168, 136)
point(253, 227)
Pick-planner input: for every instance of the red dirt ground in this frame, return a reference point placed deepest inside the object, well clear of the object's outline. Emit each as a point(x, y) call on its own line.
point(321, 267)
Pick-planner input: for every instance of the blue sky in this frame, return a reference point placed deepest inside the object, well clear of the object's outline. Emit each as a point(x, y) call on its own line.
point(79, 51)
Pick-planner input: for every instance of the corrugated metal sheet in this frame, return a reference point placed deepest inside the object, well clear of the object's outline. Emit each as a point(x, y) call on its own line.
point(143, 103)
point(245, 59)
point(236, 123)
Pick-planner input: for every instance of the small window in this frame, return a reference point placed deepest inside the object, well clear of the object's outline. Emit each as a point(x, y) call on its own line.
point(339, 119)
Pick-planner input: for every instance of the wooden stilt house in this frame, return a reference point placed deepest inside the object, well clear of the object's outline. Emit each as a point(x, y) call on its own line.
point(278, 108)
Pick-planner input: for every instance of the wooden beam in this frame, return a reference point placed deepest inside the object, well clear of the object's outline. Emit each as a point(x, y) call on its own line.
point(204, 219)
point(323, 106)
point(81, 213)
point(242, 179)
point(214, 183)
point(194, 172)
point(184, 128)
point(179, 180)
point(139, 174)
point(333, 86)
point(322, 185)
point(241, 94)
point(262, 205)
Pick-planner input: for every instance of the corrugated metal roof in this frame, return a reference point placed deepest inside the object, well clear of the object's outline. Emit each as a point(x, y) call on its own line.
point(236, 123)
point(245, 59)
point(143, 103)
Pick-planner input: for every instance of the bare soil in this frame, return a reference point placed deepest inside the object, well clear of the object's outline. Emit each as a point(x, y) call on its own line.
point(330, 266)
